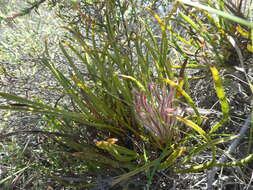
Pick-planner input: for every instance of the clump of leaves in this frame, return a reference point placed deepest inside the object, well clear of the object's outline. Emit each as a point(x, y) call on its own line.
point(154, 112)
point(105, 109)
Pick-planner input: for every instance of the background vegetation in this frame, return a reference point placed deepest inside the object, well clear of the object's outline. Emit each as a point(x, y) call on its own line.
point(126, 94)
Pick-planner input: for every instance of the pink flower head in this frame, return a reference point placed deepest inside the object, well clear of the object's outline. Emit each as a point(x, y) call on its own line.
point(153, 111)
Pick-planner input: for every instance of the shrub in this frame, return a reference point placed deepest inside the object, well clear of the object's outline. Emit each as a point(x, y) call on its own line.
point(129, 105)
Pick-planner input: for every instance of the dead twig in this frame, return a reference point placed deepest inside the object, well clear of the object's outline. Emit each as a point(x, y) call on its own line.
point(231, 149)
point(25, 11)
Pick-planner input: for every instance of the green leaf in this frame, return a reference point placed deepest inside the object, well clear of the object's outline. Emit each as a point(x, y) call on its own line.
point(222, 98)
point(218, 12)
point(172, 158)
point(142, 88)
point(190, 21)
point(119, 152)
point(2, 181)
point(183, 93)
point(198, 148)
point(194, 126)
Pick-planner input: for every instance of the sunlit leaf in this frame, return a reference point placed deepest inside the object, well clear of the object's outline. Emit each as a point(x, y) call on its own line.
point(250, 48)
point(218, 12)
point(222, 98)
point(242, 31)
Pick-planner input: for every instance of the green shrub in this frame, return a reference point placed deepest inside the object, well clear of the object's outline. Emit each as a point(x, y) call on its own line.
point(130, 110)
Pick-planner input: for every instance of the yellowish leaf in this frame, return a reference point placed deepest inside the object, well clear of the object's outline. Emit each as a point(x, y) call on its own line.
point(112, 140)
point(250, 48)
point(242, 31)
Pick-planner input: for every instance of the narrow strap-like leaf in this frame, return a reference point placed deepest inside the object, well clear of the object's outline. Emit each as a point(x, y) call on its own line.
point(222, 98)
